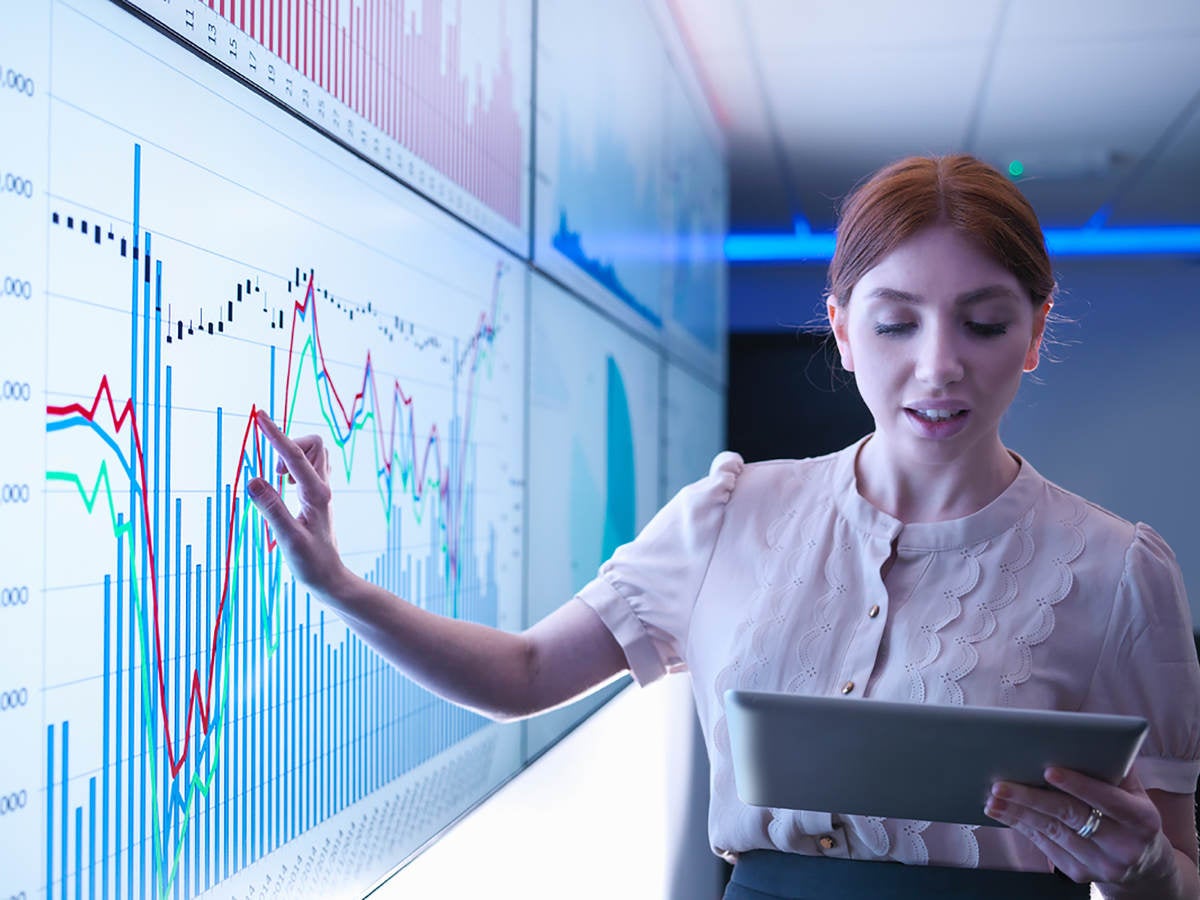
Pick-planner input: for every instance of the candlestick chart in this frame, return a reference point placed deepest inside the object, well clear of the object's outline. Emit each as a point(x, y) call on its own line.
point(208, 727)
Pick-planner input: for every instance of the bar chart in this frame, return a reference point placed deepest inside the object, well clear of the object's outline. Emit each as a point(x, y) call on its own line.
point(208, 726)
point(436, 92)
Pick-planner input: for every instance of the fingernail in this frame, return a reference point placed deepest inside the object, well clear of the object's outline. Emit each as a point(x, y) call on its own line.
point(1054, 776)
point(995, 805)
point(1001, 790)
point(254, 487)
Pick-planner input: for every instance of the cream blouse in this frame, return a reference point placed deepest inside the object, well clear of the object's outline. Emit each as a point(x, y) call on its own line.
point(767, 576)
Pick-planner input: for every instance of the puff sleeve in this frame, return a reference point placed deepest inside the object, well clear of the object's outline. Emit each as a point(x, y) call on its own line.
point(1148, 665)
point(646, 591)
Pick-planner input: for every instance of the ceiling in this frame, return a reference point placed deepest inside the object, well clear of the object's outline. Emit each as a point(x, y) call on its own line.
point(1099, 99)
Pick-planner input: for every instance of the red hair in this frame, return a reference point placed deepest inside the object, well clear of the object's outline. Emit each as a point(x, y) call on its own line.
point(911, 194)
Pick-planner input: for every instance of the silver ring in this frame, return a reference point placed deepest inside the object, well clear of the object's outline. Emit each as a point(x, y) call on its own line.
point(1092, 823)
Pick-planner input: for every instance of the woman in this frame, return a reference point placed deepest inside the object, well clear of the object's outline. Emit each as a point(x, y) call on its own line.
point(925, 563)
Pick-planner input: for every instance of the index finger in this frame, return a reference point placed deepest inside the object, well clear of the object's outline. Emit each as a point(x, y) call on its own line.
point(291, 452)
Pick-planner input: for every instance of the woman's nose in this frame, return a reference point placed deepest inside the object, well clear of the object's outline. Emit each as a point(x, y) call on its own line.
point(939, 361)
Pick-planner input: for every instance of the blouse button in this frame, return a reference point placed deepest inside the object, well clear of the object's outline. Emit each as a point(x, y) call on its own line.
point(827, 842)
point(873, 611)
point(847, 687)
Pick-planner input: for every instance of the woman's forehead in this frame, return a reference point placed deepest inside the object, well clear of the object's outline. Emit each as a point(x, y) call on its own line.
point(938, 263)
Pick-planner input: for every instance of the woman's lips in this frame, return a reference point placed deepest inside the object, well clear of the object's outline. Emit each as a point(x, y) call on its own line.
point(939, 427)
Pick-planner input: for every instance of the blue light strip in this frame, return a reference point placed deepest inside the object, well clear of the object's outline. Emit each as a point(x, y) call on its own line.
point(806, 246)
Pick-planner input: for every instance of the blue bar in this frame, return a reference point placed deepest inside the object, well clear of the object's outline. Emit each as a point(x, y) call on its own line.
point(106, 732)
point(185, 651)
point(133, 318)
point(119, 717)
point(146, 749)
point(323, 739)
point(233, 749)
point(338, 701)
point(278, 777)
point(219, 516)
point(66, 776)
point(311, 715)
point(347, 753)
point(91, 838)
point(147, 576)
point(79, 853)
point(356, 716)
point(260, 719)
point(252, 745)
point(264, 731)
point(50, 811)
point(180, 582)
point(145, 412)
point(294, 712)
point(202, 584)
point(244, 708)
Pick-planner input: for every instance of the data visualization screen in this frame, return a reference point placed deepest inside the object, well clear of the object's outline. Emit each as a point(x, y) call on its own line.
point(187, 707)
point(320, 210)
point(436, 92)
point(632, 194)
point(594, 420)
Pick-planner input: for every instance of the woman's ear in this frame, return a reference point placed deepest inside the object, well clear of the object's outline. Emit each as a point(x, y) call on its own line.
point(1033, 354)
point(838, 324)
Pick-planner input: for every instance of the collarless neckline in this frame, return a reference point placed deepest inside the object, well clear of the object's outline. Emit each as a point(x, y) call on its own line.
point(997, 516)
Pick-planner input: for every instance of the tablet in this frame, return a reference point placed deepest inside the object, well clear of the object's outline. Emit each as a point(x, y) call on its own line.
point(910, 760)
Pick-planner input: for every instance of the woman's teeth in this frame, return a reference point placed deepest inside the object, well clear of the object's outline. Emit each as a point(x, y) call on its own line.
point(938, 415)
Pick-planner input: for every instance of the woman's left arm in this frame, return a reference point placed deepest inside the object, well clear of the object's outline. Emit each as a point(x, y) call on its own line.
point(1143, 844)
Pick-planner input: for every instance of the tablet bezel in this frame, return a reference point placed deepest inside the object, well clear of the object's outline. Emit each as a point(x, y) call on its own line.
point(859, 756)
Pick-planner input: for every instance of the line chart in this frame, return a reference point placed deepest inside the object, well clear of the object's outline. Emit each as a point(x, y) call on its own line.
point(203, 715)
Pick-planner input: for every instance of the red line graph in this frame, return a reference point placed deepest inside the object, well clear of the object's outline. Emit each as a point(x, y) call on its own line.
point(449, 480)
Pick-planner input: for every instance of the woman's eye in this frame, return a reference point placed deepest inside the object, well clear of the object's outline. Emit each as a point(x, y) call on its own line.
point(987, 329)
point(894, 327)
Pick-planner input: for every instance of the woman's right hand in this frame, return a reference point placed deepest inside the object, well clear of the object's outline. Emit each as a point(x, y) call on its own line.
point(306, 539)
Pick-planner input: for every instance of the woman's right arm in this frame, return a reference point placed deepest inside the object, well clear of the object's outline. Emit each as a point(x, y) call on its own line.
point(497, 673)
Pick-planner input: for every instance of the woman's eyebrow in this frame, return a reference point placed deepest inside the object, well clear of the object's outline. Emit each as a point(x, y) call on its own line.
point(991, 292)
point(988, 292)
point(887, 293)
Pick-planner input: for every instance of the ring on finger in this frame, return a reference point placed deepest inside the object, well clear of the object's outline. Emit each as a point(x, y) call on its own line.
point(1093, 822)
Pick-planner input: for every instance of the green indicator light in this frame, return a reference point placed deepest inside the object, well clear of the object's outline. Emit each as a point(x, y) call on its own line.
point(1016, 169)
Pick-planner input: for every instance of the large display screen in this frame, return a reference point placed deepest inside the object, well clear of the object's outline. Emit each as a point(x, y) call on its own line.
point(180, 246)
point(435, 92)
point(631, 202)
point(594, 423)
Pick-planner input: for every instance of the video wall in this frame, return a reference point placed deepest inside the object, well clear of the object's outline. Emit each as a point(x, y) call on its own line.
point(500, 301)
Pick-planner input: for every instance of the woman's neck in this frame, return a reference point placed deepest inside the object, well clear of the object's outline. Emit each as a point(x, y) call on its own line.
point(933, 490)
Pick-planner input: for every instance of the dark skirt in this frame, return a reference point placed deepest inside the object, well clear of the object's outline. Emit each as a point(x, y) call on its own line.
point(769, 875)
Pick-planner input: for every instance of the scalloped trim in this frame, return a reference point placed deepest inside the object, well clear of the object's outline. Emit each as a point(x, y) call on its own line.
point(910, 845)
point(952, 609)
point(1027, 640)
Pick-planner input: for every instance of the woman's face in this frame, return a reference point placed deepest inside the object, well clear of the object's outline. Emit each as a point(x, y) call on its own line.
point(937, 336)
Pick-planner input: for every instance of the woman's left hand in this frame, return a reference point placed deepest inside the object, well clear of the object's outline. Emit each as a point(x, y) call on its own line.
point(1126, 847)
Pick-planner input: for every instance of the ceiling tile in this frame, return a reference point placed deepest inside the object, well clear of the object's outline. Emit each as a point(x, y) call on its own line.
point(1168, 191)
point(1114, 95)
point(853, 119)
point(1038, 22)
point(798, 25)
